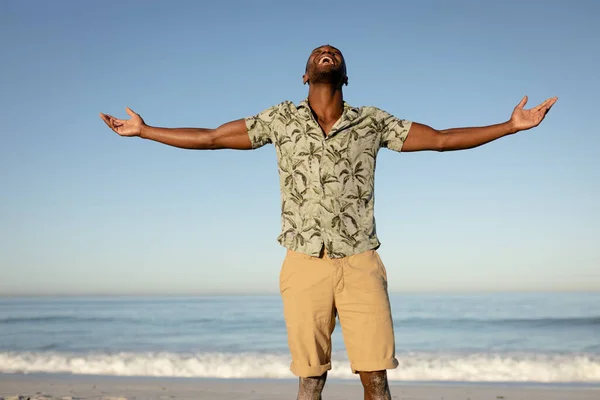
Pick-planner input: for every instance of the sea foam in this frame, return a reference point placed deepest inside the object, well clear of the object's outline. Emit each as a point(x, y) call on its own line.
point(475, 367)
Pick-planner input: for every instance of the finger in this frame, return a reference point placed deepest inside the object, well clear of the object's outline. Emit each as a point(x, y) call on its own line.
point(130, 112)
point(522, 102)
point(106, 116)
point(106, 120)
point(112, 122)
point(549, 102)
point(546, 105)
point(116, 121)
point(542, 105)
point(540, 114)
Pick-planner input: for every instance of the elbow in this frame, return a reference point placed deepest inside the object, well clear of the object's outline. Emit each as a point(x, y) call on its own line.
point(209, 141)
point(441, 142)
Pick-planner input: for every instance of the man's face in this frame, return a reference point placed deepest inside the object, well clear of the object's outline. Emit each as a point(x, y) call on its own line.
point(326, 65)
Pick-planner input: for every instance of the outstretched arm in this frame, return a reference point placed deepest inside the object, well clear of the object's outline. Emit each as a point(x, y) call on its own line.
point(232, 135)
point(423, 137)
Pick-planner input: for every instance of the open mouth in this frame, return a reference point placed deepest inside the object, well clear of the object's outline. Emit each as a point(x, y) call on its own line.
point(326, 60)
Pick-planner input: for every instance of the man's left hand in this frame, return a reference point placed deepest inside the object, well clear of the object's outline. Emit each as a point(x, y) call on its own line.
point(522, 119)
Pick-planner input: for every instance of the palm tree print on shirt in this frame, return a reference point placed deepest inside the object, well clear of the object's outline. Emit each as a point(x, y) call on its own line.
point(327, 182)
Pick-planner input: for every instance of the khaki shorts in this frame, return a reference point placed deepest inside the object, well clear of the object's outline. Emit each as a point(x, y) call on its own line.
point(315, 289)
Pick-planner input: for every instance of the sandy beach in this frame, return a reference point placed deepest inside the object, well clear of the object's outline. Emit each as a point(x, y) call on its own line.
point(71, 387)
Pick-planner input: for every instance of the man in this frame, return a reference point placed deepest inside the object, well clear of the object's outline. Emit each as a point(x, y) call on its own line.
point(326, 152)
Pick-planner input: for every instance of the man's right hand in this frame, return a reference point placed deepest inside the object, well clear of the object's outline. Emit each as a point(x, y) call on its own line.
point(125, 127)
point(232, 135)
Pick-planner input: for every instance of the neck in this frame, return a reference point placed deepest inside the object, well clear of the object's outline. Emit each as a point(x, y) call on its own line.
point(326, 102)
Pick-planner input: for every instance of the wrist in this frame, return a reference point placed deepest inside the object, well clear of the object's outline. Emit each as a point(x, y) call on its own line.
point(144, 131)
point(511, 127)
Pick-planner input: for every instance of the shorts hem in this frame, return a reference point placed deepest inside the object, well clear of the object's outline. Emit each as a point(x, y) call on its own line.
point(308, 371)
point(370, 366)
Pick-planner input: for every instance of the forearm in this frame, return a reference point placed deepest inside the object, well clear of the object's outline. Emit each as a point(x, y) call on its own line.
point(185, 138)
point(423, 137)
point(467, 138)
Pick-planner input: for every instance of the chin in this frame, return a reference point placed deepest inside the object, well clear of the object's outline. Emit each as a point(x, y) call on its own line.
point(327, 76)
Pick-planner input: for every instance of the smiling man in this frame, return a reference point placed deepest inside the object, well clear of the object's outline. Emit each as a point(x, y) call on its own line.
point(326, 151)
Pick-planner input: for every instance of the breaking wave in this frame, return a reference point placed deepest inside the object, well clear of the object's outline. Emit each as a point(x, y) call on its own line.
point(474, 367)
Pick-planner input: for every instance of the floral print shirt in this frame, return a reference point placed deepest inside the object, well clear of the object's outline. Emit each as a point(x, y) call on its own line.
point(327, 182)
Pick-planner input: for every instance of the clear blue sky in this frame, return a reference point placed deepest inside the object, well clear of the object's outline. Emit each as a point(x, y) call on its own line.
point(85, 211)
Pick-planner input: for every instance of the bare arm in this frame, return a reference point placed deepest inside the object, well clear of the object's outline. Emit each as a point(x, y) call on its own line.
point(423, 137)
point(232, 135)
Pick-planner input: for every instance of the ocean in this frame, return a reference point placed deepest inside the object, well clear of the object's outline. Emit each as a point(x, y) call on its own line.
point(541, 337)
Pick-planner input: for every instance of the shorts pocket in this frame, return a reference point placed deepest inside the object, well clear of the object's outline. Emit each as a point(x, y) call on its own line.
point(381, 266)
point(283, 274)
point(290, 267)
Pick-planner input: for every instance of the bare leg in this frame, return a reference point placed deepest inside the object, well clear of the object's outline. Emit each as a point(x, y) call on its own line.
point(311, 388)
point(376, 385)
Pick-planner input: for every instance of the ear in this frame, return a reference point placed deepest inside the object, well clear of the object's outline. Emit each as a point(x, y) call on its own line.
point(345, 81)
point(304, 79)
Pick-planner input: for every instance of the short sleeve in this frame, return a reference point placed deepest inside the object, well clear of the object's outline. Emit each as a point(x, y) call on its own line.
point(260, 126)
point(395, 131)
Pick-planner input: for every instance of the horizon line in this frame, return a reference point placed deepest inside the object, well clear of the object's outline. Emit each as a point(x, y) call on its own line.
point(272, 293)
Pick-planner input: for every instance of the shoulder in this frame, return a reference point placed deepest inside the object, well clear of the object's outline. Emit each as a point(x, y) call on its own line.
point(286, 105)
point(374, 116)
point(268, 114)
point(373, 111)
point(383, 116)
point(285, 109)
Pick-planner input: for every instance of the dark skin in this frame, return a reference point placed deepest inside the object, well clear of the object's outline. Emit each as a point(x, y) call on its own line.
point(326, 102)
point(325, 96)
point(326, 75)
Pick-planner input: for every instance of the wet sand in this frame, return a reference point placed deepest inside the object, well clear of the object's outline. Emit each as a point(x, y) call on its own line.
point(75, 387)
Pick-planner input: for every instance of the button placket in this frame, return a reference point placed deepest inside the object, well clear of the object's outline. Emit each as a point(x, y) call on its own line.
point(323, 211)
